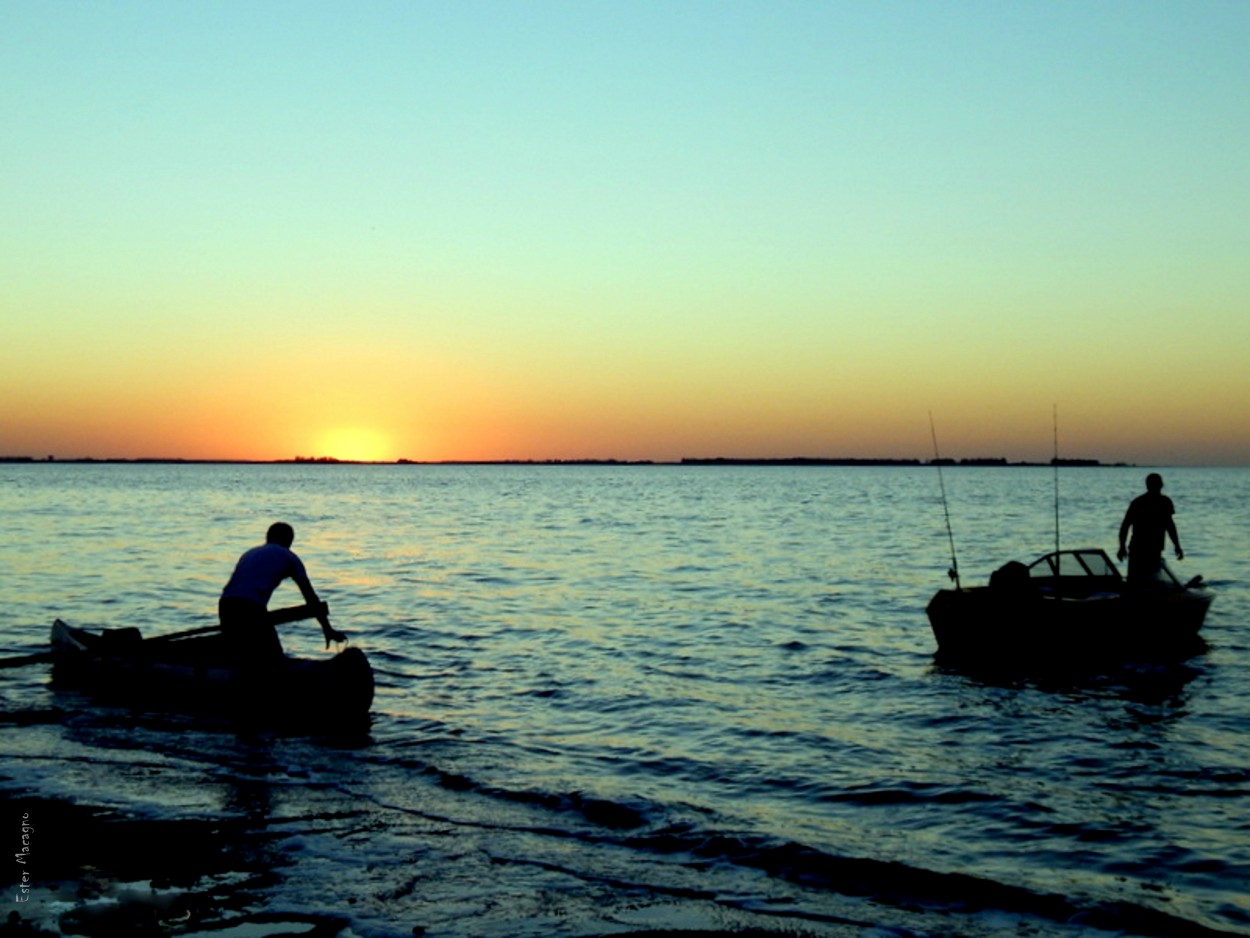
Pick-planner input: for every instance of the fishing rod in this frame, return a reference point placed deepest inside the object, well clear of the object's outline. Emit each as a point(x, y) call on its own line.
point(1055, 462)
point(953, 572)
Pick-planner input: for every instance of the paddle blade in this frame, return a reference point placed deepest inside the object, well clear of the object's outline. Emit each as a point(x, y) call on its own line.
point(43, 657)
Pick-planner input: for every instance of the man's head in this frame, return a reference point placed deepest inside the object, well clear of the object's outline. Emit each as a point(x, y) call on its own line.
point(1154, 483)
point(280, 533)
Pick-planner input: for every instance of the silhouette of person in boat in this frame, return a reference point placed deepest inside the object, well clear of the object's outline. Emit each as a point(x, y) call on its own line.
point(243, 608)
point(1149, 517)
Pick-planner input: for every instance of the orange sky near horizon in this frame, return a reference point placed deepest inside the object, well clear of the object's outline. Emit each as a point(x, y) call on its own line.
point(645, 232)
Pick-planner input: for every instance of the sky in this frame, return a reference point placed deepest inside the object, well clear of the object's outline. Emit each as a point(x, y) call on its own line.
point(625, 230)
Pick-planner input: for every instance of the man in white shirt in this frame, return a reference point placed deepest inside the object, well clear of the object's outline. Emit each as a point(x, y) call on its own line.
point(243, 608)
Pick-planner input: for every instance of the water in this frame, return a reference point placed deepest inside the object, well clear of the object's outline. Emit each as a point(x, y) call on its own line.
point(617, 698)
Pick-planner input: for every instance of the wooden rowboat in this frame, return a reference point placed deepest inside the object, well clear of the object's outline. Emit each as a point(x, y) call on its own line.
point(192, 672)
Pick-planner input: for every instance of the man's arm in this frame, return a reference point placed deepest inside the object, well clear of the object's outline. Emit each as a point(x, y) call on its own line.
point(1124, 528)
point(1176, 541)
point(310, 597)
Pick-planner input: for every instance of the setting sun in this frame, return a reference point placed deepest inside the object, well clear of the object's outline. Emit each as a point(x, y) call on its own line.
point(355, 444)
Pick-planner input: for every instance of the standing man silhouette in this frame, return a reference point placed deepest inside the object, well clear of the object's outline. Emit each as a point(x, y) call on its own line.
point(1149, 517)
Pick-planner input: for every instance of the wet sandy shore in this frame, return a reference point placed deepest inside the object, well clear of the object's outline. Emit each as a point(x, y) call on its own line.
point(91, 871)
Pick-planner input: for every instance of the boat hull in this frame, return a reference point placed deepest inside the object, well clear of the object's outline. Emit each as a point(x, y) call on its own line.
point(196, 675)
point(986, 625)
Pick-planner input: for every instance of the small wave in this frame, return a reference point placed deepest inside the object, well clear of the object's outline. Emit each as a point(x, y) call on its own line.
point(649, 829)
point(702, 845)
point(898, 884)
point(31, 717)
point(600, 812)
point(911, 795)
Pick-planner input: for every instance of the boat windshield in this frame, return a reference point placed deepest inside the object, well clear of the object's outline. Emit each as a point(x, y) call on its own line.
point(1075, 563)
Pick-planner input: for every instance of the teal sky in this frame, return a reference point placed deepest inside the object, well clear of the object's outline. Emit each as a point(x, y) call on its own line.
point(553, 230)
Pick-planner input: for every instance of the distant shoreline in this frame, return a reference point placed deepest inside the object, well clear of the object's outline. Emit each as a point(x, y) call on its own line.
point(685, 461)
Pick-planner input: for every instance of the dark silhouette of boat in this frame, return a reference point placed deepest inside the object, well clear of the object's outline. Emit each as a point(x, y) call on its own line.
point(1069, 608)
point(194, 673)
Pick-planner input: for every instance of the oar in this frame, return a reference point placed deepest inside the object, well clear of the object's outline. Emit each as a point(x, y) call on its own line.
point(40, 658)
point(276, 616)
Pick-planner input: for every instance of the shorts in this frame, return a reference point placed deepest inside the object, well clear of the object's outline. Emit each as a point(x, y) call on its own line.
point(248, 633)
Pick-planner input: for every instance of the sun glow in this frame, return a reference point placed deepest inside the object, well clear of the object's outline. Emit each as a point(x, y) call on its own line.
point(355, 444)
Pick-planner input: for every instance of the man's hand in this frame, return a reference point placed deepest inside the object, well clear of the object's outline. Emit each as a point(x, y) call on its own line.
point(1121, 553)
point(1180, 554)
point(333, 635)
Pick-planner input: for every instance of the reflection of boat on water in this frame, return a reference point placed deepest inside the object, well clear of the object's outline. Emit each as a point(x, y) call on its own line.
point(1069, 608)
point(195, 674)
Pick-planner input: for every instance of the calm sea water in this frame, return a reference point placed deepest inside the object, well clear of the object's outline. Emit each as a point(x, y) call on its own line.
point(614, 698)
